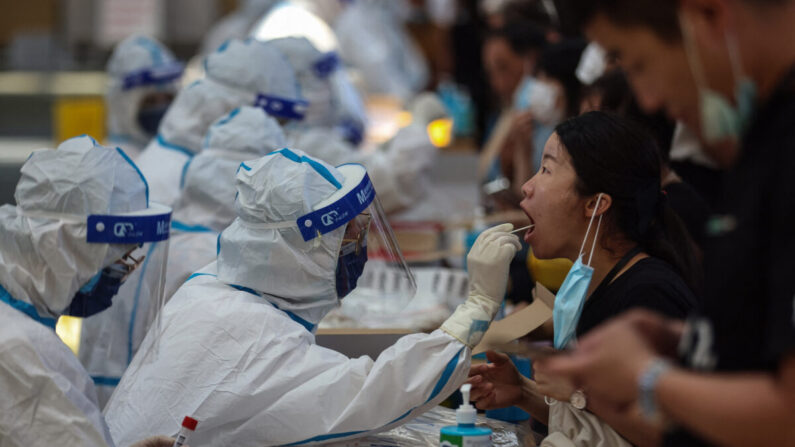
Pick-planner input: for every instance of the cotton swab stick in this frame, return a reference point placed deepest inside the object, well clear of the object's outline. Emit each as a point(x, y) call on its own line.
point(522, 229)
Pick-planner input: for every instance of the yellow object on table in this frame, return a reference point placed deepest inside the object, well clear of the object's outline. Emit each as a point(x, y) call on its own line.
point(77, 116)
point(549, 272)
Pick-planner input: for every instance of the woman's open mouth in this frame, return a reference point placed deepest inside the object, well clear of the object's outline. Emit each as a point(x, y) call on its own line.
point(530, 230)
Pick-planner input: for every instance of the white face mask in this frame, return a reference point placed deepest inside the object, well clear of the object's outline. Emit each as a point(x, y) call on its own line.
point(543, 103)
point(593, 64)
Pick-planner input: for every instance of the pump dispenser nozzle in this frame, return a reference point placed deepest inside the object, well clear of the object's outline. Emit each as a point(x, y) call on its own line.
point(466, 413)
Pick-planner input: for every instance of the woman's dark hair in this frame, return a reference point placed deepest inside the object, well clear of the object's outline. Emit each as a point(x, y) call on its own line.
point(616, 156)
point(559, 61)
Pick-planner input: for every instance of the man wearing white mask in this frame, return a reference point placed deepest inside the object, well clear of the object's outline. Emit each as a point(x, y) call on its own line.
point(253, 374)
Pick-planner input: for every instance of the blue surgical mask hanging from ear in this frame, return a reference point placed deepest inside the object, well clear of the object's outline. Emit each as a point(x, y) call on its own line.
point(720, 120)
point(572, 293)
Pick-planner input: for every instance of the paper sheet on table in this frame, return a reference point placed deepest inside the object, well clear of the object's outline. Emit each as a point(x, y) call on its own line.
point(520, 323)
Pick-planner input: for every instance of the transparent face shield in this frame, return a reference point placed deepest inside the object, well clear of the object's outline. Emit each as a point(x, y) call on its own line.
point(124, 299)
point(370, 262)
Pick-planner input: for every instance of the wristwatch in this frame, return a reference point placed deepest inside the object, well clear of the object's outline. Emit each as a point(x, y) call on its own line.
point(647, 383)
point(578, 400)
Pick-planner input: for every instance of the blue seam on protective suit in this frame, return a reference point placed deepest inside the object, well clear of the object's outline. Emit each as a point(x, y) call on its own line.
point(89, 286)
point(184, 173)
point(200, 274)
point(244, 166)
point(106, 380)
point(140, 174)
point(131, 329)
point(154, 51)
point(318, 167)
point(221, 122)
point(162, 141)
point(26, 308)
point(181, 226)
point(218, 244)
point(223, 46)
point(440, 384)
point(307, 325)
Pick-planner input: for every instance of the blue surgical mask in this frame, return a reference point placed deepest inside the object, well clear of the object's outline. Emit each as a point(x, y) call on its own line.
point(572, 293)
point(350, 265)
point(720, 120)
point(97, 294)
point(149, 118)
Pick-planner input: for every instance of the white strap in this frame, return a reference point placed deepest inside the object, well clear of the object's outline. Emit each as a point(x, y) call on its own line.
point(588, 231)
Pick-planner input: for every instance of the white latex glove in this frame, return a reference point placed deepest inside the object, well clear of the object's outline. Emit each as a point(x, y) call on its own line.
point(489, 260)
point(488, 263)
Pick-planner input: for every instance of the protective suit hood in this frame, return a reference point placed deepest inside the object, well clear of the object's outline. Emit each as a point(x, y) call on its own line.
point(208, 186)
point(260, 71)
point(332, 98)
point(139, 66)
point(44, 255)
point(294, 274)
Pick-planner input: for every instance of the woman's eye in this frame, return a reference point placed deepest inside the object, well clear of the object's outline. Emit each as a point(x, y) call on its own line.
point(544, 170)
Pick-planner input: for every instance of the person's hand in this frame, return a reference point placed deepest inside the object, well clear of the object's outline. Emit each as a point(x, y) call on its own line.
point(555, 387)
point(606, 363)
point(522, 129)
point(662, 334)
point(155, 441)
point(489, 260)
point(497, 384)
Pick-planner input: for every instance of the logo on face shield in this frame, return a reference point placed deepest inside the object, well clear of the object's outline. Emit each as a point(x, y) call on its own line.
point(121, 229)
point(328, 218)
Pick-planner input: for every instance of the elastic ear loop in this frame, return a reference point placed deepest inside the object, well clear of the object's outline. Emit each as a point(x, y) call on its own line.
point(588, 231)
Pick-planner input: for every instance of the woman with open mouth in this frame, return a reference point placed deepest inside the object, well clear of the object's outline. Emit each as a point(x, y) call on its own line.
point(596, 200)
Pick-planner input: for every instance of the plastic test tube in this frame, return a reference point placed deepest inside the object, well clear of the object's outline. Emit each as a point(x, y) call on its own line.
point(188, 426)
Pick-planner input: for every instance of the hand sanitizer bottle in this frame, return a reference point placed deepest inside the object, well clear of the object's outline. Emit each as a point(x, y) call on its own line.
point(465, 434)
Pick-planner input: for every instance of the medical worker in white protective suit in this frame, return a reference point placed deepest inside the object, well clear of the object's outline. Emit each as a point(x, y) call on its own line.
point(335, 122)
point(373, 39)
point(143, 78)
point(239, 73)
point(370, 36)
point(207, 203)
point(82, 211)
point(235, 25)
point(237, 350)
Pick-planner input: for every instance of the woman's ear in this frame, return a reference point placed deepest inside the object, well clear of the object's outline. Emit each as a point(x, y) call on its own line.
point(604, 203)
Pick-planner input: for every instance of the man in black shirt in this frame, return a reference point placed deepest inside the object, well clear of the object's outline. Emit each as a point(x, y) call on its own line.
point(735, 384)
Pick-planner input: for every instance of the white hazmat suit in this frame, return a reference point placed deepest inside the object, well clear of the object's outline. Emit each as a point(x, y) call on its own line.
point(46, 256)
point(253, 374)
point(399, 169)
point(207, 203)
point(138, 67)
point(239, 73)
